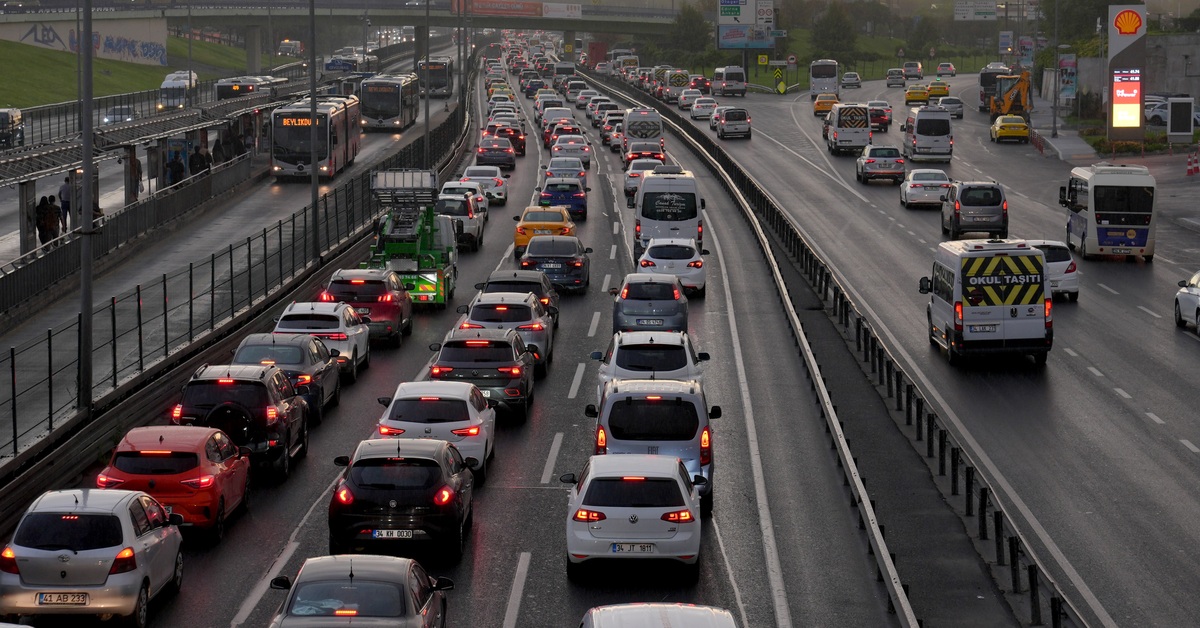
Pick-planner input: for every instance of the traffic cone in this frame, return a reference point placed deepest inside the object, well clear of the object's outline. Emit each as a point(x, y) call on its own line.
point(1191, 166)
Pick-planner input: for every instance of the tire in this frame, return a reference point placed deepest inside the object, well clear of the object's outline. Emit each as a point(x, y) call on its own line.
point(397, 339)
point(954, 233)
point(317, 411)
point(217, 532)
point(1149, 259)
point(576, 572)
point(1041, 358)
point(176, 583)
point(706, 504)
point(1179, 322)
point(1004, 234)
point(352, 375)
point(932, 335)
point(1073, 297)
point(481, 473)
point(691, 573)
point(366, 363)
point(283, 466)
point(539, 370)
point(303, 451)
point(952, 357)
point(407, 329)
point(702, 291)
point(244, 506)
point(522, 413)
point(456, 543)
point(336, 400)
point(141, 609)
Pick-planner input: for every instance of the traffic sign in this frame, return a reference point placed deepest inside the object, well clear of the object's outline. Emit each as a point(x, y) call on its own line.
point(791, 60)
point(732, 3)
point(568, 48)
point(778, 33)
point(777, 63)
point(764, 12)
point(778, 74)
point(763, 59)
point(731, 11)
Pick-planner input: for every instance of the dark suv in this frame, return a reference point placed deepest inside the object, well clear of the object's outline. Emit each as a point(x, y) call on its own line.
point(257, 406)
point(495, 360)
point(970, 206)
point(533, 281)
point(377, 294)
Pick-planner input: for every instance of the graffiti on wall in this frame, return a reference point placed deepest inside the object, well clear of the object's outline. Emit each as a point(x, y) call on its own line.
point(136, 41)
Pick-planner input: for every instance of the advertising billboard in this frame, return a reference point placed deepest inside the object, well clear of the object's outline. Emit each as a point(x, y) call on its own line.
point(736, 36)
point(1126, 65)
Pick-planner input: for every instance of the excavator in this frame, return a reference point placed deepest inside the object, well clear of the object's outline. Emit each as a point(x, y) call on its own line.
point(1012, 96)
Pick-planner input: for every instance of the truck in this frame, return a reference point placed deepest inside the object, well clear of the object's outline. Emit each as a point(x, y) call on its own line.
point(1012, 96)
point(411, 238)
point(597, 51)
point(291, 48)
point(987, 83)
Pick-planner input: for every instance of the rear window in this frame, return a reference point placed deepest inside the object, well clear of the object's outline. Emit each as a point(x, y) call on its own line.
point(207, 393)
point(644, 493)
point(305, 322)
point(977, 197)
point(895, 72)
point(514, 286)
point(562, 188)
point(481, 351)
point(394, 473)
point(356, 289)
point(652, 357)
point(552, 247)
point(429, 410)
point(933, 126)
point(61, 531)
point(1055, 253)
point(269, 354)
point(452, 207)
point(170, 463)
point(737, 77)
point(498, 313)
point(672, 251)
point(645, 419)
point(885, 152)
point(930, 176)
point(497, 143)
point(668, 206)
point(735, 115)
point(543, 217)
point(649, 291)
point(336, 598)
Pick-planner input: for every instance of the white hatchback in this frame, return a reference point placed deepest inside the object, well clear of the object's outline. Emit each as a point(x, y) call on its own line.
point(338, 325)
point(492, 180)
point(456, 412)
point(681, 257)
point(642, 354)
point(1061, 271)
point(466, 186)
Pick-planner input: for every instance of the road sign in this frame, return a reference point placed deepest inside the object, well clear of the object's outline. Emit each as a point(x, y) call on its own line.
point(778, 33)
point(780, 84)
point(791, 62)
point(733, 3)
point(764, 12)
point(778, 74)
point(974, 10)
point(734, 15)
point(763, 59)
point(568, 48)
point(1006, 42)
point(731, 11)
point(777, 63)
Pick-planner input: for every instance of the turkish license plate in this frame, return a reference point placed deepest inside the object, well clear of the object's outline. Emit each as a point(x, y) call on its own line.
point(391, 534)
point(1122, 251)
point(541, 232)
point(649, 321)
point(486, 393)
point(1053, 284)
point(982, 328)
point(62, 599)
point(981, 219)
point(633, 548)
point(363, 310)
point(551, 265)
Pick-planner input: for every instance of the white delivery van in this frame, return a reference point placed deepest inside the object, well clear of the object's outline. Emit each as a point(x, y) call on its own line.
point(643, 124)
point(928, 135)
point(730, 79)
point(668, 206)
point(849, 128)
point(677, 81)
point(989, 297)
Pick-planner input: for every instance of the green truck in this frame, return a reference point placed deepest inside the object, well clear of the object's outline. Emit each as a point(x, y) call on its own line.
point(411, 238)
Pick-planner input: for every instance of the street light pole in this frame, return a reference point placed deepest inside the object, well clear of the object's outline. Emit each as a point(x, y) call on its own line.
point(428, 87)
point(1057, 74)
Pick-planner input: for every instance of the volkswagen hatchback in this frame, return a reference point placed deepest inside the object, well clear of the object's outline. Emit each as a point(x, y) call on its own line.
point(456, 412)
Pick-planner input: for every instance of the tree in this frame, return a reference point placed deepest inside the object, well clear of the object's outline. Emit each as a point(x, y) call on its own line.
point(690, 32)
point(921, 36)
point(833, 34)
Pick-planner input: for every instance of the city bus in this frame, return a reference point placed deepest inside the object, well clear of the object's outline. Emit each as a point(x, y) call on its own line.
point(823, 77)
point(246, 85)
point(338, 136)
point(389, 101)
point(439, 71)
point(1110, 210)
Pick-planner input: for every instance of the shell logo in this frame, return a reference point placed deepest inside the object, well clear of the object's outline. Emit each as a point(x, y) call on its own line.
point(1127, 22)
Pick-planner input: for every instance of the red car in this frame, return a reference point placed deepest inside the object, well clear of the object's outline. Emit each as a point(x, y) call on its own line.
point(375, 293)
point(196, 472)
point(881, 116)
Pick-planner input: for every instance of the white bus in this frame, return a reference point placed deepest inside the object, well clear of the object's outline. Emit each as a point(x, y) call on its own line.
point(1111, 210)
point(176, 89)
point(439, 71)
point(823, 77)
point(338, 137)
point(389, 101)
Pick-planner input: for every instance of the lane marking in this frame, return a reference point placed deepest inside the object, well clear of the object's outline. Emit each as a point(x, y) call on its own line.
point(604, 284)
point(1123, 393)
point(1107, 288)
point(549, 469)
point(808, 161)
point(1071, 352)
point(737, 592)
point(514, 596)
point(576, 381)
point(612, 252)
point(1095, 371)
point(594, 325)
point(1160, 257)
point(922, 241)
point(1147, 310)
point(1187, 443)
point(1154, 417)
point(616, 227)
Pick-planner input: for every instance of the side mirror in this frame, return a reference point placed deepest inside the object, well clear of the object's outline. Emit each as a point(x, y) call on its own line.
point(175, 519)
point(943, 197)
point(334, 352)
point(384, 401)
point(590, 411)
point(597, 355)
point(302, 389)
point(537, 189)
point(567, 478)
point(244, 452)
point(552, 310)
point(493, 403)
point(462, 309)
point(714, 412)
point(515, 219)
point(1062, 195)
point(281, 582)
point(507, 176)
point(703, 357)
point(614, 291)
point(1182, 283)
point(366, 320)
point(481, 285)
point(587, 189)
point(588, 249)
point(442, 583)
point(698, 480)
point(471, 462)
point(704, 251)
point(437, 346)
point(544, 166)
point(341, 461)
point(926, 286)
point(701, 203)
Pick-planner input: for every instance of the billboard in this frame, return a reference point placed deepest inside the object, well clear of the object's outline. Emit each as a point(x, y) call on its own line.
point(1126, 66)
point(736, 36)
point(499, 7)
point(562, 10)
point(975, 10)
point(135, 40)
point(1067, 79)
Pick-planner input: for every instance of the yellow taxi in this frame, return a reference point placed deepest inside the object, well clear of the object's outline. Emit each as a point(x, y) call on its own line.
point(916, 93)
point(537, 220)
point(824, 103)
point(1010, 128)
point(501, 88)
point(938, 89)
point(544, 91)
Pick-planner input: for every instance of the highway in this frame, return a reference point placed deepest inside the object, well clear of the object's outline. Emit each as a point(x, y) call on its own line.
point(1100, 446)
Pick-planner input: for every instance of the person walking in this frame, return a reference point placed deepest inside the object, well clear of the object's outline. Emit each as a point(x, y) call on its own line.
point(238, 146)
point(175, 169)
point(47, 221)
point(135, 174)
point(218, 152)
point(64, 198)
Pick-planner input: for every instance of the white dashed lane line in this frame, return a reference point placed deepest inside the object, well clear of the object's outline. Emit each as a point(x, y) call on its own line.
point(576, 381)
point(1095, 371)
point(1148, 311)
point(554, 447)
point(612, 253)
point(1187, 443)
point(616, 228)
point(518, 588)
point(594, 325)
point(1123, 394)
point(1107, 288)
point(1154, 417)
point(604, 284)
point(1071, 352)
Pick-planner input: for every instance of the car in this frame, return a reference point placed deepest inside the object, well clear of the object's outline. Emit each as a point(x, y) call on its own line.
point(688, 97)
point(426, 484)
point(879, 162)
point(923, 186)
point(702, 83)
point(952, 104)
point(565, 168)
point(703, 108)
point(601, 112)
point(378, 294)
point(362, 590)
point(649, 301)
point(610, 121)
point(851, 79)
point(895, 78)
point(534, 282)
point(591, 110)
point(715, 118)
point(616, 137)
point(305, 360)
point(496, 99)
point(581, 100)
point(564, 259)
point(531, 87)
point(557, 129)
point(914, 70)
point(195, 472)
point(257, 406)
point(514, 135)
point(338, 325)
point(1061, 272)
point(103, 552)
point(474, 189)
point(946, 69)
point(495, 360)
point(916, 93)
point(970, 206)
point(680, 257)
point(573, 146)
point(824, 103)
point(1009, 128)
point(565, 191)
point(456, 412)
point(465, 212)
point(630, 508)
point(521, 311)
point(120, 114)
point(734, 121)
point(634, 173)
point(881, 114)
point(603, 68)
point(637, 354)
point(644, 150)
point(937, 89)
point(538, 220)
point(497, 152)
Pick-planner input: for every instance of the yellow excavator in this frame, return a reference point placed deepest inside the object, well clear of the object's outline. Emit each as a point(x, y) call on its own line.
point(1012, 97)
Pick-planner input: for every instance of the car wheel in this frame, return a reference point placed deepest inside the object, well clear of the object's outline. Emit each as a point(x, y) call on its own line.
point(1179, 322)
point(316, 412)
point(481, 473)
point(336, 399)
point(283, 466)
point(351, 376)
point(576, 572)
point(218, 529)
point(456, 542)
point(407, 330)
point(539, 370)
point(397, 339)
point(366, 363)
point(141, 609)
point(706, 504)
point(932, 334)
point(691, 573)
point(702, 291)
point(1041, 358)
point(952, 357)
point(244, 505)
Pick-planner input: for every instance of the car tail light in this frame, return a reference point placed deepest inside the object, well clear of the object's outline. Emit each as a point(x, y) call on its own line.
point(562, 231)
point(899, 161)
point(272, 414)
point(304, 379)
point(601, 441)
point(646, 263)
point(679, 516)
point(438, 371)
point(545, 195)
point(706, 446)
point(443, 496)
point(470, 326)
point(699, 263)
point(957, 207)
point(546, 300)
point(343, 495)
point(1004, 208)
point(586, 516)
point(386, 298)
point(952, 141)
point(389, 431)
point(499, 182)
point(1049, 313)
point(177, 412)
point(868, 161)
point(345, 612)
point(958, 313)
point(526, 263)
point(579, 195)
point(515, 371)
point(521, 230)
point(531, 327)
point(204, 481)
point(676, 292)
point(635, 175)
point(637, 227)
point(582, 174)
point(1071, 267)
point(333, 336)
point(8, 561)
point(835, 137)
point(124, 562)
point(325, 296)
point(577, 263)
point(466, 431)
point(104, 481)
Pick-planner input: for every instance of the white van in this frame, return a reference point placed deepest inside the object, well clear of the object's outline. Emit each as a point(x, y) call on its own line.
point(668, 206)
point(730, 79)
point(988, 297)
point(849, 128)
point(643, 124)
point(928, 135)
point(677, 81)
point(658, 614)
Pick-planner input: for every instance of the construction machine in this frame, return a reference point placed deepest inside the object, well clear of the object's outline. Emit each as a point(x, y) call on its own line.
point(1012, 97)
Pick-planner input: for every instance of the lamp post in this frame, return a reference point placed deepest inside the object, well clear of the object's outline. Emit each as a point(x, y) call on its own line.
point(1057, 73)
point(428, 87)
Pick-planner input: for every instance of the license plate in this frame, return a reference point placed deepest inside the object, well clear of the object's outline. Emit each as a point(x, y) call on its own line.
point(551, 265)
point(633, 548)
point(391, 534)
point(62, 599)
point(649, 321)
point(363, 310)
point(981, 328)
point(486, 393)
point(1053, 284)
point(977, 219)
point(1122, 250)
point(653, 451)
point(541, 232)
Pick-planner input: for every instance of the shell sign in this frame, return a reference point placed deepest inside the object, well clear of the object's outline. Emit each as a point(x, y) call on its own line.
point(1127, 22)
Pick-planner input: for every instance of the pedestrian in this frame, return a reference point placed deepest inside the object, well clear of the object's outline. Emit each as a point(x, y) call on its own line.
point(58, 226)
point(135, 174)
point(218, 152)
point(64, 197)
point(47, 221)
point(197, 164)
point(175, 169)
point(237, 147)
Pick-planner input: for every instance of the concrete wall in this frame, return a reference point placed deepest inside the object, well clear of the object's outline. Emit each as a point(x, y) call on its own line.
point(1173, 63)
point(135, 40)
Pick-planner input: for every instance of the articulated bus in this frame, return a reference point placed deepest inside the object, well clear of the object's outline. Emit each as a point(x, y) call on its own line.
point(338, 137)
point(440, 73)
point(389, 101)
point(1111, 210)
point(246, 85)
point(822, 77)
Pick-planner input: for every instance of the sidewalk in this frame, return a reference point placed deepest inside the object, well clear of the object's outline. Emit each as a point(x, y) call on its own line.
point(1068, 146)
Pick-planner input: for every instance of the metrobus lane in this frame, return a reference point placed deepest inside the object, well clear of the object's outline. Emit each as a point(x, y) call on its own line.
point(1097, 438)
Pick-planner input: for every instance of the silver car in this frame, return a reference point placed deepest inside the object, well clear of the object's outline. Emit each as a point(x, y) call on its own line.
point(564, 167)
point(923, 186)
point(649, 301)
point(573, 146)
point(633, 176)
point(638, 354)
point(91, 552)
point(521, 311)
point(953, 104)
point(493, 181)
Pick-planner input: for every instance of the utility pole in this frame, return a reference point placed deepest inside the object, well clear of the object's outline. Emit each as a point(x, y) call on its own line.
point(1057, 74)
point(312, 132)
point(87, 217)
point(428, 87)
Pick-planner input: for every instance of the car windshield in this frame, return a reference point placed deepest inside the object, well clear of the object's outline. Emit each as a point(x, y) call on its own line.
point(307, 322)
point(649, 291)
point(630, 493)
point(651, 357)
point(356, 289)
point(653, 419)
point(452, 207)
point(543, 217)
point(671, 251)
point(552, 247)
point(269, 354)
point(208, 393)
point(476, 351)
point(165, 463)
point(395, 473)
point(430, 409)
point(500, 313)
point(68, 531)
point(347, 598)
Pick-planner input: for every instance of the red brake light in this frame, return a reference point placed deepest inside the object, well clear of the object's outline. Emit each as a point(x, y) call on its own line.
point(304, 379)
point(325, 296)
point(333, 336)
point(390, 431)
point(676, 292)
point(1049, 313)
point(470, 326)
point(104, 481)
point(696, 264)
point(587, 516)
point(1071, 268)
point(899, 161)
point(224, 381)
point(386, 298)
point(531, 327)
point(344, 496)
point(706, 446)
point(635, 175)
point(646, 263)
point(177, 412)
point(358, 282)
point(521, 230)
point(204, 481)
point(345, 612)
point(272, 414)
point(443, 496)
point(679, 516)
point(438, 371)
point(467, 431)
point(869, 161)
point(8, 561)
point(601, 441)
point(499, 182)
point(124, 562)
point(958, 316)
point(511, 370)
point(1004, 206)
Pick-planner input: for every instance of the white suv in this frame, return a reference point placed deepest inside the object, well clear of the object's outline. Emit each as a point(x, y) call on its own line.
point(465, 212)
point(338, 325)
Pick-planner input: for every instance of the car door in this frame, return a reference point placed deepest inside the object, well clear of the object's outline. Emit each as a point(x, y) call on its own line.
point(215, 462)
point(284, 397)
point(238, 470)
point(322, 380)
point(357, 331)
point(426, 602)
point(405, 299)
point(156, 542)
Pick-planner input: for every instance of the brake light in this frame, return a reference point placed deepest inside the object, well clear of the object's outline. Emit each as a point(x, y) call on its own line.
point(124, 562)
point(345, 612)
point(646, 263)
point(204, 481)
point(304, 379)
point(104, 481)
point(466, 431)
point(587, 516)
point(526, 263)
point(8, 561)
point(562, 231)
point(389, 431)
point(706, 446)
point(637, 227)
point(1071, 268)
point(386, 298)
point(545, 195)
point(677, 295)
point(1049, 313)
point(869, 161)
point(443, 496)
point(546, 300)
point(699, 263)
point(899, 161)
point(224, 381)
point(957, 207)
point(511, 370)
point(438, 371)
point(464, 179)
point(325, 296)
point(470, 326)
point(177, 412)
point(679, 516)
point(521, 230)
point(343, 495)
point(1004, 207)
point(333, 336)
point(958, 314)
point(531, 327)
point(601, 441)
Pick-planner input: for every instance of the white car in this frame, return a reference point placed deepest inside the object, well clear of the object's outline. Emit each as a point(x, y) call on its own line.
point(851, 79)
point(1187, 302)
point(493, 181)
point(564, 167)
point(634, 173)
point(640, 354)
point(688, 97)
point(924, 186)
point(338, 325)
point(91, 552)
point(589, 110)
point(715, 117)
point(633, 507)
point(680, 257)
point(573, 146)
point(455, 412)
point(1060, 268)
point(497, 99)
point(474, 188)
point(703, 108)
point(585, 97)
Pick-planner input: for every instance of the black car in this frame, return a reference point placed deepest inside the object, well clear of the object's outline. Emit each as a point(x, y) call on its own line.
point(400, 492)
point(533, 281)
point(257, 406)
point(644, 150)
point(564, 259)
point(701, 83)
point(304, 359)
point(512, 134)
point(495, 360)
